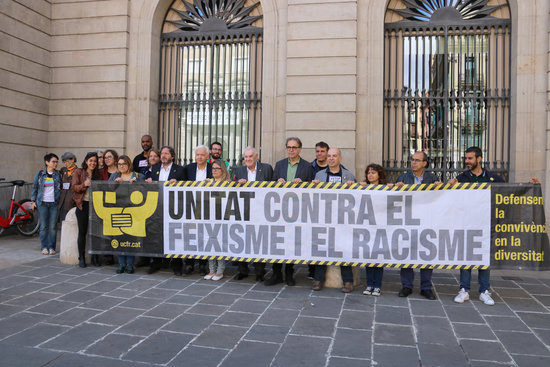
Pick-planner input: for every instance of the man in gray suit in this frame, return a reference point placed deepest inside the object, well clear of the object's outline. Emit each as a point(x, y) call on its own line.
point(417, 175)
point(252, 171)
point(296, 170)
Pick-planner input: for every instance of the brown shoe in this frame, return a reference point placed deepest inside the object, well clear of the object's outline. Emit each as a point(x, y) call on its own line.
point(348, 287)
point(317, 285)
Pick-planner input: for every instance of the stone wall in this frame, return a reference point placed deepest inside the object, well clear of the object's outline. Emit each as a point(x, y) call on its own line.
point(25, 44)
point(89, 48)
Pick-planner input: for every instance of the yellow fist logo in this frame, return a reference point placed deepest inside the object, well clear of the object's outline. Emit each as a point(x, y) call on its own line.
point(129, 220)
point(114, 243)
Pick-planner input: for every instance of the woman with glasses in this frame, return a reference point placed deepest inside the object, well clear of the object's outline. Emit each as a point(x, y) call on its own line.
point(100, 162)
point(110, 157)
point(46, 191)
point(82, 180)
point(125, 173)
point(219, 173)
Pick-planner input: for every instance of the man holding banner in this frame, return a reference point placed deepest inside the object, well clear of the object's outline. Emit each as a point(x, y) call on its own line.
point(417, 175)
point(252, 171)
point(334, 173)
point(475, 173)
point(292, 169)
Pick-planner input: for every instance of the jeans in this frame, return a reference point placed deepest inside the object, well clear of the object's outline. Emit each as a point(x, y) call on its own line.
point(216, 269)
point(321, 272)
point(407, 278)
point(374, 277)
point(125, 260)
point(82, 219)
point(47, 215)
point(482, 278)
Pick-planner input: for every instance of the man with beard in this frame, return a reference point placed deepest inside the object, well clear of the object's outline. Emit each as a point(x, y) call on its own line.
point(216, 151)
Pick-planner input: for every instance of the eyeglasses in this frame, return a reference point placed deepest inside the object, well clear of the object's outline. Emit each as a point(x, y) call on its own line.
point(215, 168)
point(292, 148)
point(108, 157)
point(122, 164)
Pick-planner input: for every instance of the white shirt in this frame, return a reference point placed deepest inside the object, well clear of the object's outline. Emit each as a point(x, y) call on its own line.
point(164, 172)
point(252, 174)
point(201, 174)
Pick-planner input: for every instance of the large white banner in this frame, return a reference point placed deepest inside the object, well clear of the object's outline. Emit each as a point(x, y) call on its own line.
point(448, 227)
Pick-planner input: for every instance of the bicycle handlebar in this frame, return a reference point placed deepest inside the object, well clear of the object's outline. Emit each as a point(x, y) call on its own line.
point(14, 182)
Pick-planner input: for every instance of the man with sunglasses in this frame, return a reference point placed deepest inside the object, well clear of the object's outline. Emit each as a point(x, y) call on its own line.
point(291, 169)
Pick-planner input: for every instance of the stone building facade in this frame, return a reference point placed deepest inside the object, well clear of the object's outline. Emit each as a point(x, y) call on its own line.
point(80, 75)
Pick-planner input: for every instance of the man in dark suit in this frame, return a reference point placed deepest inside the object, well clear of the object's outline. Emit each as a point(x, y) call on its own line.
point(252, 171)
point(199, 170)
point(417, 175)
point(166, 170)
point(296, 170)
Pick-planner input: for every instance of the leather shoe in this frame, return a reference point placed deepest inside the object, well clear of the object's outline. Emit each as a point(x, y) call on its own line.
point(348, 287)
point(240, 276)
point(404, 292)
point(428, 293)
point(82, 263)
point(275, 279)
point(120, 269)
point(188, 269)
point(178, 273)
point(290, 281)
point(259, 277)
point(152, 269)
point(202, 270)
point(317, 285)
point(95, 260)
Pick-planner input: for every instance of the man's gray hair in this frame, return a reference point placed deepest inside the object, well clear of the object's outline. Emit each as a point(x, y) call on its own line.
point(250, 148)
point(202, 147)
point(297, 140)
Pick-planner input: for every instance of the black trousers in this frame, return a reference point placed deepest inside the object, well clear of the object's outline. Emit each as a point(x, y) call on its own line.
point(82, 220)
point(259, 268)
point(277, 268)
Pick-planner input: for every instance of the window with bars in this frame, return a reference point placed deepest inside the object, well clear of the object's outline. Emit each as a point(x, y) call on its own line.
point(210, 77)
point(446, 83)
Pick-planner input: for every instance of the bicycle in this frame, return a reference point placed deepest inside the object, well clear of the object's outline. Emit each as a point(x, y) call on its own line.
point(20, 213)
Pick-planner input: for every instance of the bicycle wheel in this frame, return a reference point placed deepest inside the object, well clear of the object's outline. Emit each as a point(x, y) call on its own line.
point(27, 227)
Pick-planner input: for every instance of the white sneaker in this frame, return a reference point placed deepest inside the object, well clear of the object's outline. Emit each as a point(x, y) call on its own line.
point(462, 296)
point(485, 297)
point(368, 291)
point(217, 277)
point(209, 276)
point(376, 292)
point(45, 251)
point(52, 251)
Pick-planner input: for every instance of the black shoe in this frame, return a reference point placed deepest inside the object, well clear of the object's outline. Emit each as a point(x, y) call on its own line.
point(120, 269)
point(109, 260)
point(178, 273)
point(259, 277)
point(428, 293)
point(240, 276)
point(404, 292)
point(290, 281)
point(275, 279)
point(130, 269)
point(82, 263)
point(95, 260)
point(188, 269)
point(152, 269)
point(203, 271)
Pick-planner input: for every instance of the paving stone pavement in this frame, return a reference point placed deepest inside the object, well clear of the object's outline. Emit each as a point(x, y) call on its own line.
point(59, 315)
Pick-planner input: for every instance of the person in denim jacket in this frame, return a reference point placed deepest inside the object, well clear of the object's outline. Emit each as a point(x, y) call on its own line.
point(46, 191)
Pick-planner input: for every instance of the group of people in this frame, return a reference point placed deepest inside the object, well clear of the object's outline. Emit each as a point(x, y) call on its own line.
point(56, 192)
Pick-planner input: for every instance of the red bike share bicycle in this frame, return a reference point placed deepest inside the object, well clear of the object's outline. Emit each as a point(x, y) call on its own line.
point(20, 214)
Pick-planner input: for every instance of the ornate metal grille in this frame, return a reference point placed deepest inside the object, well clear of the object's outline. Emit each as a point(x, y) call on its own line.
point(210, 78)
point(446, 83)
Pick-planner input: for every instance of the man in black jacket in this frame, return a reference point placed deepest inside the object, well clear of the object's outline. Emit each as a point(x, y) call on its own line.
point(199, 170)
point(166, 170)
point(296, 170)
point(252, 170)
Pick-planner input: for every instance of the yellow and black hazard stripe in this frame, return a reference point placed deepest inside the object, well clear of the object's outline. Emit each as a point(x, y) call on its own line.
point(329, 185)
point(321, 262)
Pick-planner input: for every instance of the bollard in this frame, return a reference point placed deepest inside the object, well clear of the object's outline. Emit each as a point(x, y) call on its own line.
point(334, 277)
point(68, 247)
